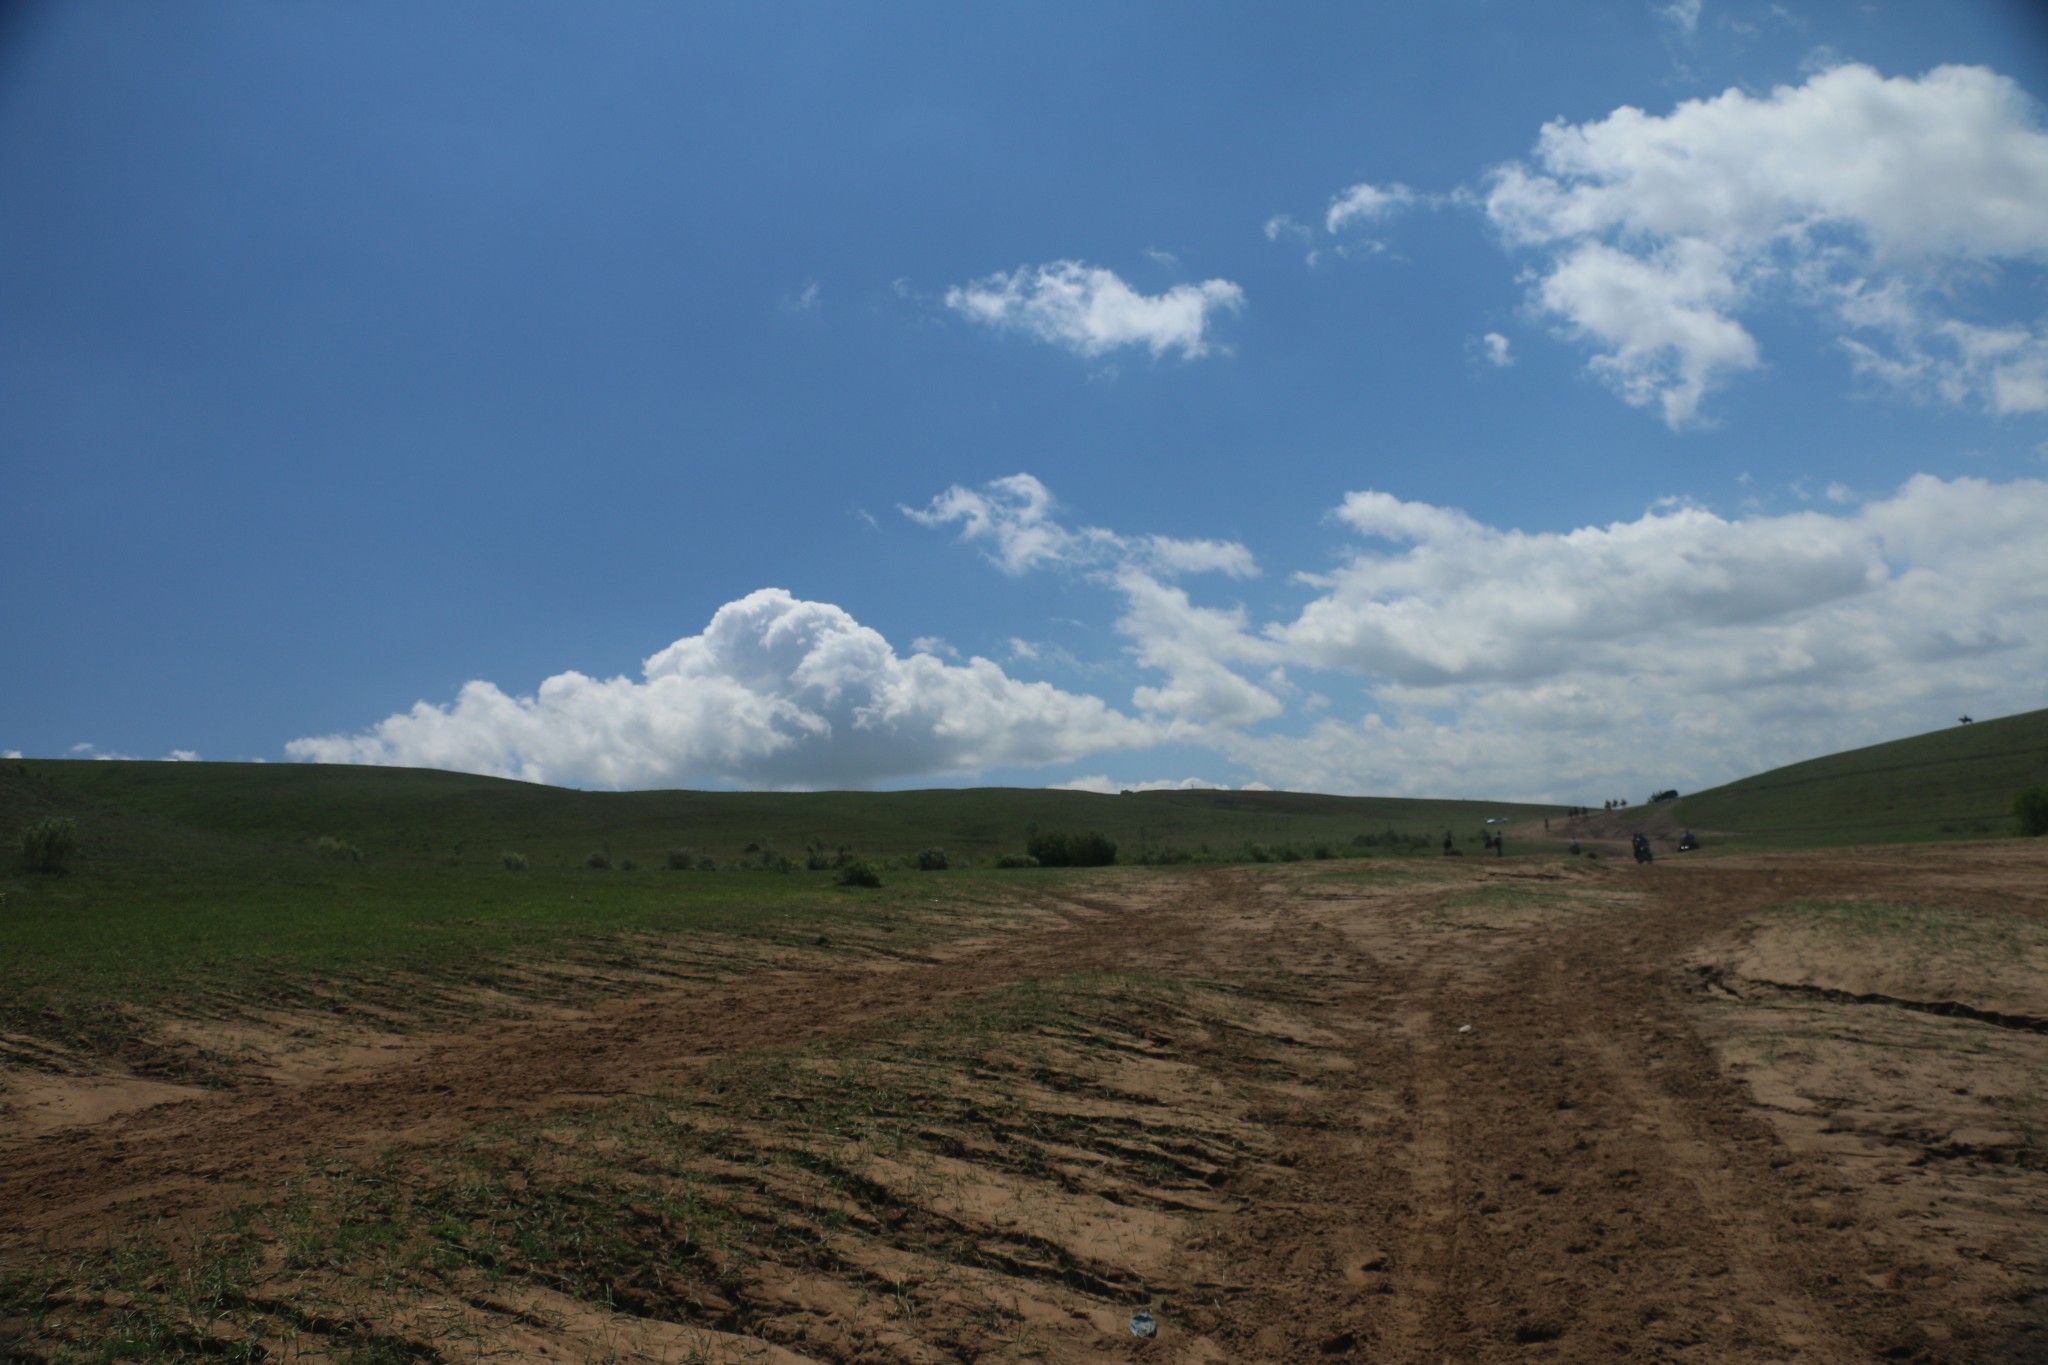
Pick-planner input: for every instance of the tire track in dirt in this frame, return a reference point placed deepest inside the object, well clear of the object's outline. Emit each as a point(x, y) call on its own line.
point(1574, 1179)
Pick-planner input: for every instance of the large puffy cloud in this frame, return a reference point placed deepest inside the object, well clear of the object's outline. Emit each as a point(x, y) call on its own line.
point(1680, 645)
point(775, 692)
point(1866, 196)
point(1091, 310)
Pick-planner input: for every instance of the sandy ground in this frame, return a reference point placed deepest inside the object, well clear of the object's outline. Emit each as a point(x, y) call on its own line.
point(1783, 1108)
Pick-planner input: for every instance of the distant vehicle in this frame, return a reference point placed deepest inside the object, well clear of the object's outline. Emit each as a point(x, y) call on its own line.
point(1642, 848)
point(1688, 843)
point(1496, 819)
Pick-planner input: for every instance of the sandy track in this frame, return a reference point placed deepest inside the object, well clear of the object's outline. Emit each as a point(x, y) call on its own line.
point(1496, 1123)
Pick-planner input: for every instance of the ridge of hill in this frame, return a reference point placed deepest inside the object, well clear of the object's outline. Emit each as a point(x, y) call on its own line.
point(402, 814)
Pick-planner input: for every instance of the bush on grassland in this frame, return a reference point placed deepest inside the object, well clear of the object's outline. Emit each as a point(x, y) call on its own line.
point(859, 873)
point(599, 860)
point(2030, 808)
point(514, 862)
point(681, 860)
point(1091, 849)
point(327, 846)
point(932, 860)
point(48, 845)
point(1016, 860)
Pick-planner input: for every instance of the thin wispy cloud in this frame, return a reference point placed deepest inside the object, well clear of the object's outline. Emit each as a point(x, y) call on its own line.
point(1092, 311)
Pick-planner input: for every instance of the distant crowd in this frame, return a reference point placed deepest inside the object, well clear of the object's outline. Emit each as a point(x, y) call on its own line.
point(1575, 811)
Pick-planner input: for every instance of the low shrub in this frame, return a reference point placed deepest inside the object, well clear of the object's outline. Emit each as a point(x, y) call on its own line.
point(514, 862)
point(1016, 860)
point(707, 864)
point(859, 873)
point(680, 860)
point(2030, 808)
point(48, 844)
point(932, 860)
point(1165, 857)
point(629, 866)
point(599, 860)
point(1091, 849)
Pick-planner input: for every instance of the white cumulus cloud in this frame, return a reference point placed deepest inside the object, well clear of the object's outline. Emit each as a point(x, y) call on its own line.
point(776, 691)
point(1091, 310)
point(1868, 199)
point(1508, 662)
point(1680, 647)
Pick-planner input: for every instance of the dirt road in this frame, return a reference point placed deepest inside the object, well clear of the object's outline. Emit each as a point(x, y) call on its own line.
point(1398, 1111)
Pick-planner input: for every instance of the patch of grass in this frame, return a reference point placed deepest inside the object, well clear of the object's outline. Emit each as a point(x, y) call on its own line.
point(1949, 930)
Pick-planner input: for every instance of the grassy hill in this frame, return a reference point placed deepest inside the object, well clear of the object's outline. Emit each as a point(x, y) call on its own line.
point(1956, 783)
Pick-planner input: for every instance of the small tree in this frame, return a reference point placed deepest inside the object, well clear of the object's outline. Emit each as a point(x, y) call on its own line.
point(47, 845)
point(514, 862)
point(2030, 807)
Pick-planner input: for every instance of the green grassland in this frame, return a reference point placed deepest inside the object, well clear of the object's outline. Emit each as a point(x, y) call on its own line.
point(197, 881)
point(1957, 783)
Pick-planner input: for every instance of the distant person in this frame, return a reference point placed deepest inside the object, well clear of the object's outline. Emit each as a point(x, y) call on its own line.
point(1642, 847)
point(1575, 848)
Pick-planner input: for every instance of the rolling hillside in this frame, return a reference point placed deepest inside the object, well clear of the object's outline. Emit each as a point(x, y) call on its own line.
point(401, 814)
point(1956, 783)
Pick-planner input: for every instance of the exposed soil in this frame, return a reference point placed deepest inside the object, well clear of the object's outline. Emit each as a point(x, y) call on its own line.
point(1782, 1108)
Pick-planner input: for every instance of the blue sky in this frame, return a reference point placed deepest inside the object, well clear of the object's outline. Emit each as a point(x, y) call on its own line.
point(1467, 399)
